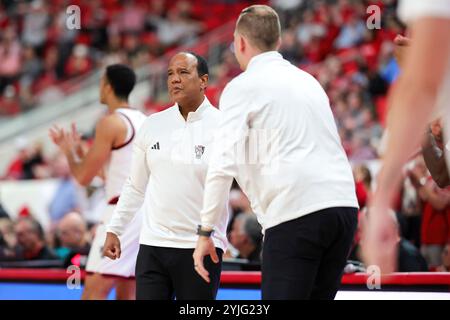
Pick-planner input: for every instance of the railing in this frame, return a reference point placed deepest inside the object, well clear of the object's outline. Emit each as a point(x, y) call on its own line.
point(247, 277)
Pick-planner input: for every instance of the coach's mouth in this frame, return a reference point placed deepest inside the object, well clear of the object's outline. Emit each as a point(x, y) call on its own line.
point(175, 90)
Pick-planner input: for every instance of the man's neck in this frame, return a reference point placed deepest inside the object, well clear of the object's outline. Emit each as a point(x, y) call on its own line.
point(190, 106)
point(117, 104)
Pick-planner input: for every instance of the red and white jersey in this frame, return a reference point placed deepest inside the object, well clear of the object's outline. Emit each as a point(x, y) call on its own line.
point(118, 168)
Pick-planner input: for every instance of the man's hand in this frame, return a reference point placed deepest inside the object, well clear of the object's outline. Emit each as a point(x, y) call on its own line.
point(76, 136)
point(66, 141)
point(205, 246)
point(111, 248)
point(380, 237)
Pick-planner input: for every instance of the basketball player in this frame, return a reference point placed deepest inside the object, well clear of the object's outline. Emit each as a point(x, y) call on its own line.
point(111, 150)
point(423, 87)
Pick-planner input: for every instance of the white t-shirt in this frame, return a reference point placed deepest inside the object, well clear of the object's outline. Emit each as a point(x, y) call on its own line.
point(170, 158)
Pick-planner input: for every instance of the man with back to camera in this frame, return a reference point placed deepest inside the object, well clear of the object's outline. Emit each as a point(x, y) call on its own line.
point(303, 191)
point(170, 163)
point(111, 150)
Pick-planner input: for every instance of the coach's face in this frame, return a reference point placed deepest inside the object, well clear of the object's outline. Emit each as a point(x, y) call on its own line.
point(183, 80)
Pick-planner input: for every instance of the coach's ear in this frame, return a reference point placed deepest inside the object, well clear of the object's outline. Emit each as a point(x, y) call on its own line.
point(204, 82)
point(242, 44)
point(278, 44)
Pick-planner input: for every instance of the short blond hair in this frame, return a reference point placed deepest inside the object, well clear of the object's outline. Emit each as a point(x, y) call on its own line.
point(260, 24)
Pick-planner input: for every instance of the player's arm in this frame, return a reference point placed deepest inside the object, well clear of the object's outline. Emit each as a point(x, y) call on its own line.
point(415, 95)
point(411, 104)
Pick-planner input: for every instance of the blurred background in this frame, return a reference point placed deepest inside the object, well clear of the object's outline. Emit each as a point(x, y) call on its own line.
point(49, 75)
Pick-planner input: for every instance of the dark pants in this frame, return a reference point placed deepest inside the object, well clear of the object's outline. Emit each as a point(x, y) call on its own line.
point(305, 258)
point(166, 273)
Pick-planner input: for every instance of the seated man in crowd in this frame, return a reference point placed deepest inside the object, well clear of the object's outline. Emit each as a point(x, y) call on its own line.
point(31, 241)
point(8, 240)
point(246, 237)
point(409, 258)
point(73, 236)
point(445, 266)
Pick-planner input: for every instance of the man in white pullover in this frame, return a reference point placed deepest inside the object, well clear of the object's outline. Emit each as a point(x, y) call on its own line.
point(170, 158)
point(301, 186)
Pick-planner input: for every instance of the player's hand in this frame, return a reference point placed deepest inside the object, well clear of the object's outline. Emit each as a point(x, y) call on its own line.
point(380, 237)
point(63, 139)
point(205, 246)
point(56, 135)
point(111, 248)
point(76, 137)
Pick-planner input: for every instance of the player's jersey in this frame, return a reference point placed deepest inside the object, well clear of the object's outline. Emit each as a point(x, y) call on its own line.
point(119, 164)
point(117, 172)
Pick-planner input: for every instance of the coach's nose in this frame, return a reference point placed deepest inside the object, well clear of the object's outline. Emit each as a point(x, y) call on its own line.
point(175, 78)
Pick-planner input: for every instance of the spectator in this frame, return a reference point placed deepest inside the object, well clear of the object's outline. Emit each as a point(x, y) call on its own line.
point(246, 237)
point(15, 170)
point(434, 228)
point(3, 213)
point(445, 266)
point(131, 18)
point(9, 104)
point(31, 240)
point(8, 240)
point(36, 21)
point(411, 208)
point(434, 155)
point(238, 204)
point(309, 29)
point(10, 62)
point(363, 179)
point(290, 48)
point(73, 236)
point(178, 29)
point(79, 62)
point(67, 194)
point(409, 258)
point(351, 34)
point(31, 69)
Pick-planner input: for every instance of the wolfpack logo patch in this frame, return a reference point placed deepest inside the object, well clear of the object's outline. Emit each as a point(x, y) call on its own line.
point(199, 150)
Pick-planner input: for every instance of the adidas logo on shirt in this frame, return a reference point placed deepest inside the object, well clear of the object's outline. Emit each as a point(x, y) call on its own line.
point(155, 146)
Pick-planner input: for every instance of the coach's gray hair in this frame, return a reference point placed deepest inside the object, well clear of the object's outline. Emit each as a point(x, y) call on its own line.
point(251, 227)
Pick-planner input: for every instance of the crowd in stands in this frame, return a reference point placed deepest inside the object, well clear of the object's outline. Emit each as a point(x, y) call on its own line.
point(327, 38)
point(39, 53)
